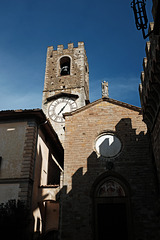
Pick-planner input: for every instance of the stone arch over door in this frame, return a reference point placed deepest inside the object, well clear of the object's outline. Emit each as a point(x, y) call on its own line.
point(111, 208)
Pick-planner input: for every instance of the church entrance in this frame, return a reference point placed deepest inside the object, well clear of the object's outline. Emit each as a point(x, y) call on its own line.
point(111, 211)
point(112, 221)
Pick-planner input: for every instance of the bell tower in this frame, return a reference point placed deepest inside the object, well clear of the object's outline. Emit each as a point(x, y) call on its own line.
point(66, 86)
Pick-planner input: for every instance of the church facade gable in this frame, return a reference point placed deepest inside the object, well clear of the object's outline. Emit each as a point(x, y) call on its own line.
point(126, 164)
point(105, 99)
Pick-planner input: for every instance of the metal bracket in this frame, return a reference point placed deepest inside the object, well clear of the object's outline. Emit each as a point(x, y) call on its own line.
point(140, 15)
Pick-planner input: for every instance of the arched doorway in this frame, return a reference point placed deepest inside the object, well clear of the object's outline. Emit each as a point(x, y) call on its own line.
point(111, 210)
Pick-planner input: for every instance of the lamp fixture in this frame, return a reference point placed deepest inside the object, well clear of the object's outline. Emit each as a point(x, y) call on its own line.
point(140, 15)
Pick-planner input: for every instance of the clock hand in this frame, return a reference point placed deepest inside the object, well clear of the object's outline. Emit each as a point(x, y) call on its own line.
point(63, 108)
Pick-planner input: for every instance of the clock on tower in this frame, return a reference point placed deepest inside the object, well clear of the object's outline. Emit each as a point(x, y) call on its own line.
point(66, 86)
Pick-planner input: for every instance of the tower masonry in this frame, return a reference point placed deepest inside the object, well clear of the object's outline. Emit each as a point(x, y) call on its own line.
point(66, 85)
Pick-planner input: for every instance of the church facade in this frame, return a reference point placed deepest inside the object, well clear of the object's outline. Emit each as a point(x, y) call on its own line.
point(84, 170)
point(108, 172)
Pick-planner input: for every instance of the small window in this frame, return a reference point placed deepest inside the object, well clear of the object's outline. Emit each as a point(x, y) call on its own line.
point(65, 66)
point(108, 145)
point(53, 172)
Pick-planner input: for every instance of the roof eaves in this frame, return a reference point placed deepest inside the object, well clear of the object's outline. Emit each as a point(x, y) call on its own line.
point(23, 114)
point(62, 94)
point(123, 104)
point(110, 100)
point(42, 122)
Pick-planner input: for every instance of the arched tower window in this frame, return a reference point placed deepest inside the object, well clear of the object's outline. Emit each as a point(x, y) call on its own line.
point(65, 63)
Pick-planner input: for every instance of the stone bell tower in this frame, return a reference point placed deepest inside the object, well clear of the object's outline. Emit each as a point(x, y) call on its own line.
point(66, 86)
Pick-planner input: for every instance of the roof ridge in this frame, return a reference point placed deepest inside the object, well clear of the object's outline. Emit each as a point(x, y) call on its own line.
point(110, 100)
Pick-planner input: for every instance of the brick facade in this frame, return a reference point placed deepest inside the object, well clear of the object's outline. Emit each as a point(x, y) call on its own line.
point(84, 170)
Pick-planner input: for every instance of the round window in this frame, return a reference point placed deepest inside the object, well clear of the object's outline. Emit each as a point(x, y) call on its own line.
point(108, 145)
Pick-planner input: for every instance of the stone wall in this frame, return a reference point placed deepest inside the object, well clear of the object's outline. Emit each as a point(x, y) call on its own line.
point(76, 82)
point(150, 84)
point(78, 76)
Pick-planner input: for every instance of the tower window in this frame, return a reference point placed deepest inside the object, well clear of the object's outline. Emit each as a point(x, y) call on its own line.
point(65, 66)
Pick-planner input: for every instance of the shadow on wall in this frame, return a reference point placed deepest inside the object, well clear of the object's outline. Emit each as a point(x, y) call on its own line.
point(45, 209)
point(86, 214)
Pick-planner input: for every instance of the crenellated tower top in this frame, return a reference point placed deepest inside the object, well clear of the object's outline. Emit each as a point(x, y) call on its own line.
point(66, 69)
point(66, 76)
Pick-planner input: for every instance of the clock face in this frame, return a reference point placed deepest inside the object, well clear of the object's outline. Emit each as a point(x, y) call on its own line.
point(108, 145)
point(60, 106)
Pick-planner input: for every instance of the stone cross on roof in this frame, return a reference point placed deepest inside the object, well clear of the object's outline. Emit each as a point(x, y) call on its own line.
point(105, 92)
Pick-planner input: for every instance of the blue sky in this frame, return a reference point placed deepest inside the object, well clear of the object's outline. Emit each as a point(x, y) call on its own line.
point(115, 49)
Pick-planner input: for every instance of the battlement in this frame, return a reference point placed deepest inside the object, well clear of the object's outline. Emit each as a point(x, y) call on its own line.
point(60, 47)
point(67, 71)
